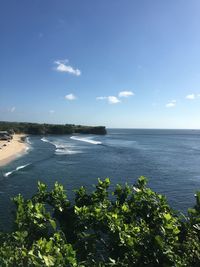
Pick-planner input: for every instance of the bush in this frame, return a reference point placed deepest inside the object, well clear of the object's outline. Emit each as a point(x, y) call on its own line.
point(134, 227)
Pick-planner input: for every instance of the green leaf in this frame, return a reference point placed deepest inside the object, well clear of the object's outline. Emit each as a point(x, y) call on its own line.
point(167, 216)
point(53, 224)
point(49, 260)
point(159, 240)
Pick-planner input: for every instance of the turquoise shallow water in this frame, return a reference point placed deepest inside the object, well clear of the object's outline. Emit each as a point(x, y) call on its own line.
point(169, 158)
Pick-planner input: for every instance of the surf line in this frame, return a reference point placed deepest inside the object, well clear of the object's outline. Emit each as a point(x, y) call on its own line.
point(15, 170)
point(87, 140)
point(59, 146)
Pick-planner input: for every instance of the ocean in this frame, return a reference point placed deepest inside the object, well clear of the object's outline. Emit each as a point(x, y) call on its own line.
point(170, 159)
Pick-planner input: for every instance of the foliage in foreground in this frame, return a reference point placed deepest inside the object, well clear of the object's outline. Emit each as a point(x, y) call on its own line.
point(134, 227)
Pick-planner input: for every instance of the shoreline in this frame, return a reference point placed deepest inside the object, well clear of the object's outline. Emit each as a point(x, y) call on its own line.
point(10, 150)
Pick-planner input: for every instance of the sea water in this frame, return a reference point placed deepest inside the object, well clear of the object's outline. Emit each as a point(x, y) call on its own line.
point(169, 158)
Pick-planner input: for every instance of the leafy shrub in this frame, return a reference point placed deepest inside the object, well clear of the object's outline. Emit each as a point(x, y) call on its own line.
point(134, 227)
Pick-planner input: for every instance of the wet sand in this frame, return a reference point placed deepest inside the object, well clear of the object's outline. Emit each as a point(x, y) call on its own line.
point(11, 150)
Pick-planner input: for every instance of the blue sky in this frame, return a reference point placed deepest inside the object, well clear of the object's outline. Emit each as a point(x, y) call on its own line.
point(118, 63)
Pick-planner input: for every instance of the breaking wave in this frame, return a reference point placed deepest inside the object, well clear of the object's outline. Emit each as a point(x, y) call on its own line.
point(45, 140)
point(8, 173)
point(28, 141)
point(67, 151)
point(17, 169)
point(28, 144)
point(87, 140)
point(56, 144)
point(62, 149)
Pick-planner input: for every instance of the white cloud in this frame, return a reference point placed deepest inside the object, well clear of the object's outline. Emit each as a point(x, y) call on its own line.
point(63, 67)
point(12, 109)
point(171, 104)
point(113, 100)
point(125, 93)
point(101, 97)
point(51, 111)
point(110, 99)
point(70, 97)
point(190, 97)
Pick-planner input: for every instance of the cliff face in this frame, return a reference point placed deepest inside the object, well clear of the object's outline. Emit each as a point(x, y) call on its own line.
point(36, 128)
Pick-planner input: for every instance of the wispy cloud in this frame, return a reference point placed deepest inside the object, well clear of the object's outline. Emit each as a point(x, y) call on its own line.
point(101, 97)
point(70, 97)
point(51, 111)
point(125, 93)
point(62, 66)
point(110, 99)
point(12, 109)
point(113, 100)
point(190, 97)
point(171, 104)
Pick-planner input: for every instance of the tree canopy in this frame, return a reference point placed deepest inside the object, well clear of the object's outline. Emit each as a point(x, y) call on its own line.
point(131, 226)
point(44, 128)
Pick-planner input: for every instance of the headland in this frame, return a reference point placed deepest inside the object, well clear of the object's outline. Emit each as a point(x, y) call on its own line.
point(44, 128)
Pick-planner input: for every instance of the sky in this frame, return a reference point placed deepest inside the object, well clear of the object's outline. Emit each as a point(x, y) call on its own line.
point(118, 63)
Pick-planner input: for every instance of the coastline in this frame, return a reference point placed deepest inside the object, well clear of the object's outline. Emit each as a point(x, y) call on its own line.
point(10, 150)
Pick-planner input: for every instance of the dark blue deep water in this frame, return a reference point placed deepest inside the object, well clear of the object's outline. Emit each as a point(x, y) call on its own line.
point(169, 158)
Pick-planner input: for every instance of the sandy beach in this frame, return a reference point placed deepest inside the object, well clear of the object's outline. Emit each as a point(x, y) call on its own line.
point(10, 150)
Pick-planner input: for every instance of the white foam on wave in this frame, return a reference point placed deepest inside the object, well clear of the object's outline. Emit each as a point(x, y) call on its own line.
point(45, 140)
point(22, 167)
point(56, 144)
point(87, 140)
point(28, 141)
point(67, 149)
point(61, 148)
point(17, 169)
point(28, 148)
point(8, 173)
point(67, 152)
point(28, 144)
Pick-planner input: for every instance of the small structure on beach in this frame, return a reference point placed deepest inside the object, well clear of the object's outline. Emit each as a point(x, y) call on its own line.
point(4, 135)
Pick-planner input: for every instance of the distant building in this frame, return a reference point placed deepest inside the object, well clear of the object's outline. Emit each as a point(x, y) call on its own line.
point(4, 135)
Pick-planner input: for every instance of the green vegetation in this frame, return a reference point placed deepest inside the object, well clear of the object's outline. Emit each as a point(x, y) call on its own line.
point(133, 226)
point(36, 128)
